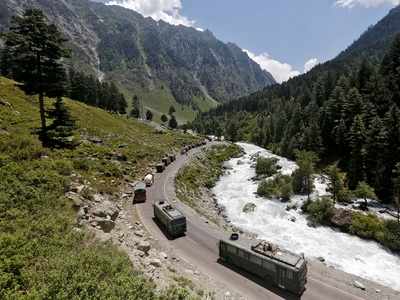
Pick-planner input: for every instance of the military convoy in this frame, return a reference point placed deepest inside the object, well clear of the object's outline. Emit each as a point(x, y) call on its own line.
point(268, 262)
point(170, 218)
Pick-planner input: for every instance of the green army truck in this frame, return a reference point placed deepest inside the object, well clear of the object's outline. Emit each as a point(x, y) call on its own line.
point(273, 265)
point(170, 218)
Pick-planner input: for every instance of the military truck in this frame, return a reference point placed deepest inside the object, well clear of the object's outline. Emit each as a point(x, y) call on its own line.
point(166, 161)
point(139, 193)
point(265, 260)
point(160, 167)
point(170, 218)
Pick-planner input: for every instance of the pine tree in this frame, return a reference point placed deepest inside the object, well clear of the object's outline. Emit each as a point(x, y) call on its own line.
point(357, 138)
point(36, 51)
point(149, 115)
point(61, 131)
point(336, 183)
point(304, 176)
point(396, 189)
point(164, 118)
point(173, 123)
point(171, 110)
point(390, 70)
point(365, 191)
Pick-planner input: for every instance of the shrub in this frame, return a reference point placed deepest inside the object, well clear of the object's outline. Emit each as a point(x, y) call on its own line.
point(366, 226)
point(64, 167)
point(22, 147)
point(320, 211)
point(391, 235)
point(267, 166)
point(279, 187)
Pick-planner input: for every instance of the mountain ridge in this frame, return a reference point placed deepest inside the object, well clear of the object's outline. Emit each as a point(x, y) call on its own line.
point(142, 55)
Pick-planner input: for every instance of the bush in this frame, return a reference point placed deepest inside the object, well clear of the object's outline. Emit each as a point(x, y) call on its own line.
point(64, 167)
point(267, 166)
point(391, 235)
point(366, 226)
point(320, 211)
point(279, 187)
point(21, 147)
point(345, 196)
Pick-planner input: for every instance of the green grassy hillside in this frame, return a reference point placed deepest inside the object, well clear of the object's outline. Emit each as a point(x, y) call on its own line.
point(160, 99)
point(42, 256)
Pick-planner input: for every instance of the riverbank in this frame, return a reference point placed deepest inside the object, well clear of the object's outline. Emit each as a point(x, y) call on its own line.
point(195, 181)
point(321, 267)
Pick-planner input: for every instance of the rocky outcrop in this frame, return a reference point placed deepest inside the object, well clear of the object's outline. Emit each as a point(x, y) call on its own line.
point(121, 45)
point(249, 208)
point(342, 218)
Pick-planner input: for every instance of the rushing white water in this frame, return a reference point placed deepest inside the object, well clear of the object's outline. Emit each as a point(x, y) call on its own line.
point(271, 221)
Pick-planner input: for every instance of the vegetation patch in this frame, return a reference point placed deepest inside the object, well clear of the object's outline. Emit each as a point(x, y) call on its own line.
point(42, 253)
point(203, 172)
point(267, 167)
point(279, 187)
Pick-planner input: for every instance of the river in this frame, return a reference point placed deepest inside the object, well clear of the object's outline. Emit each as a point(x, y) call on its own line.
point(271, 221)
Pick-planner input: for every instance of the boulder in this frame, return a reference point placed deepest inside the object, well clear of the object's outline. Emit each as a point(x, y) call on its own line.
point(249, 208)
point(105, 225)
point(155, 262)
point(239, 162)
point(144, 246)
point(139, 233)
point(293, 219)
point(342, 218)
point(321, 259)
point(164, 255)
point(106, 209)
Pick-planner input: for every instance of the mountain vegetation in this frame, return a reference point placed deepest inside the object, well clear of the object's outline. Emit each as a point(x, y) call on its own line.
point(159, 62)
point(43, 254)
point(346, 111)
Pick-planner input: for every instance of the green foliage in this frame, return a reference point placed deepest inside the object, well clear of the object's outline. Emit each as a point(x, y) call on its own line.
point(149, 115)
point(104, 94)
point(345, 110)
point(173, 123)
point(364, 191)
point(337, 184)
point(164, 118)
point(267, 166)
point(391, 235)
point(303, 177)
point(278, 187)
point(42, 255)
point(203, 173)
point(320, 211)
point(60, 134)
point(366, 226)
point(35, 53)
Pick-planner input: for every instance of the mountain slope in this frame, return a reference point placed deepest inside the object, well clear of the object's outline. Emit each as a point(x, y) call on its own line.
point(376, 39)
point(190, 67)
point(346, 110)
point(43, 253)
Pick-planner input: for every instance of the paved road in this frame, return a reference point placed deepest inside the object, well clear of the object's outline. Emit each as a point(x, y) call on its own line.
point(199, 247)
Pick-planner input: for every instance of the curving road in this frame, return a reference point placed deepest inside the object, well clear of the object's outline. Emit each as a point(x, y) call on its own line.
point(199, 247)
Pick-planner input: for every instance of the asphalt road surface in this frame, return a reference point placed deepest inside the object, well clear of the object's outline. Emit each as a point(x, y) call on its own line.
point(199, 247)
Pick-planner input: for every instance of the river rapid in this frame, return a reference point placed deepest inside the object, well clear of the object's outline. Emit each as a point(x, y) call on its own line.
point(271, 221)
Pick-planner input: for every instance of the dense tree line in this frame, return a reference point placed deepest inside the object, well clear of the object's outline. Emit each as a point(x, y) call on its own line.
point(344, 112)
point(90, 90)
